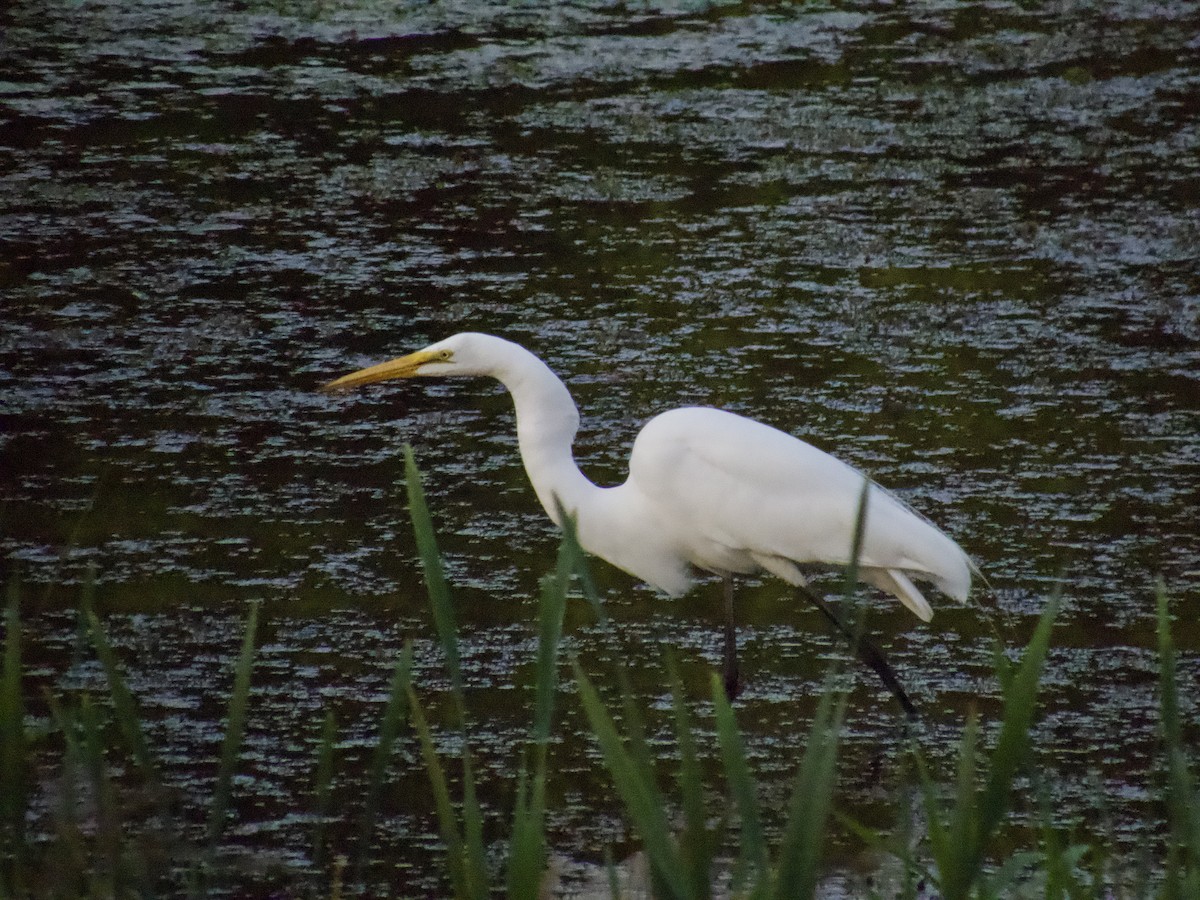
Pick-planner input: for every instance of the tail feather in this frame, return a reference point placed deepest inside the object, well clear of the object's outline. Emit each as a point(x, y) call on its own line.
point(897, 583)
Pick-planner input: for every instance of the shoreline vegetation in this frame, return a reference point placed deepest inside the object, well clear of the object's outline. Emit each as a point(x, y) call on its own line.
point(87, 811)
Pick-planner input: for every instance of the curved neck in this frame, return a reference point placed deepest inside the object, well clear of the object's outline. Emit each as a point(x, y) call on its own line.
point(547, 421)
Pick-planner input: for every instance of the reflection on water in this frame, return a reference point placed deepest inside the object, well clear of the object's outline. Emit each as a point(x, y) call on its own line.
point(955, 245)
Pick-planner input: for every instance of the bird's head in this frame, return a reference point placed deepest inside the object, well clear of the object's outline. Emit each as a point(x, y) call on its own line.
point(462, 354)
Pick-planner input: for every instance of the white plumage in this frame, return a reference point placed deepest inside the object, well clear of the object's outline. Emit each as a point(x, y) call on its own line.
point(707, 489)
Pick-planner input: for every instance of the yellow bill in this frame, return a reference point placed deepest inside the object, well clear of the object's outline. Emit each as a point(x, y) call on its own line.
point(402, 367)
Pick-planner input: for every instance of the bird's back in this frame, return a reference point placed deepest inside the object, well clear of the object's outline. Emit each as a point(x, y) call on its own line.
point(731, 488)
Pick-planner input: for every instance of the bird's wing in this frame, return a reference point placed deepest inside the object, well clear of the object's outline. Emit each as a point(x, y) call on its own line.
point(722, 478)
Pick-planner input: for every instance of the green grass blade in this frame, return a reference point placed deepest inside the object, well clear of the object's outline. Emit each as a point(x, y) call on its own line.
point(956, 866)
point(698, 841)
point(231, 745)
point(527, 846)
point(54, 581)
point(550, 618)
point(72, 863)
point(803, 841)
point(1003, 882)
point(635, 784)
point(635, 724)
point(129, 721)
point(963, 822)
point(959, 842)
point(690, 776)
point(14, 760)
point(473, 827)
point(435, 577)
point(753, 858)
point(1059, 862)
point(1003, 666)
point(1020, 700)
point(526, 864)
point(107, 835)
point(474, 862)
point(389, 729)
point(1183, 802)
point(573, 560)
point(941, 846)
point(895, 844)
point(850, 582)
point(322, 787)
point(447, 819)
point(614, 879)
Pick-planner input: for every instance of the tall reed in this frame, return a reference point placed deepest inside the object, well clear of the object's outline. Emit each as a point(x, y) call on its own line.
point(14, 762)
point(1182, 877)
point(323, 788)
point(394, 714)
point(466, 855)
point(129, 719)
point(960, 836)
point(87, 845)
point(462, 832)
point(231, 746)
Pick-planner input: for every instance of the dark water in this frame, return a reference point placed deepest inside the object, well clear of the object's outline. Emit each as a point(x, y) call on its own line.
point(958, 245)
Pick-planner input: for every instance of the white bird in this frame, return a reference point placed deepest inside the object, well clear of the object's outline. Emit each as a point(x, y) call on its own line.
point(707, 489)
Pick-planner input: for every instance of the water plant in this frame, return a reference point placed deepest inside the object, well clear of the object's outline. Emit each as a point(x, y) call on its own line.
point(322, 788)
point(14, 784)
point(231, 746)
point(88, 843)
point(1182, 869)
point(462, 831)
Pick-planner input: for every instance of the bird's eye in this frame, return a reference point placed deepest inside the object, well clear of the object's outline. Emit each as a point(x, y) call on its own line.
point(445, 354)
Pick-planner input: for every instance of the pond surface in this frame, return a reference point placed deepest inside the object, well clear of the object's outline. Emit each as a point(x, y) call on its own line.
point(956, 244)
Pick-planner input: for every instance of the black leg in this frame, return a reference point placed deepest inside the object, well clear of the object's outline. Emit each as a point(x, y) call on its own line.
point(732, 685)
point(868, 654)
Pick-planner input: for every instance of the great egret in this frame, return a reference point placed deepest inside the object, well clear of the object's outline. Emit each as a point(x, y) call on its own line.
point(707, 489)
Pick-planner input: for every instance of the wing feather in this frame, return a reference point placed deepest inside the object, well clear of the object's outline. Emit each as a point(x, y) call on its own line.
point(728, 482)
